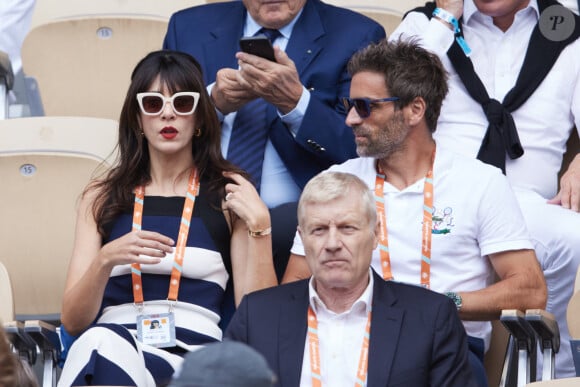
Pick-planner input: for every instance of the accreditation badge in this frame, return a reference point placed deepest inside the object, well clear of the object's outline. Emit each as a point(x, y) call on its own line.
point(157, 330)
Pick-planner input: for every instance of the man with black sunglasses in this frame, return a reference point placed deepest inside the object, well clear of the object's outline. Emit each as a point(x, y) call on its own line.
point(514, 102)
point(448, 221)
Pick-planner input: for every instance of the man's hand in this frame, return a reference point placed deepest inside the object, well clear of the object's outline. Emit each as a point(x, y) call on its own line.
point(569, 195)
point(455, 7)
point(228, 94)
point(277, 82)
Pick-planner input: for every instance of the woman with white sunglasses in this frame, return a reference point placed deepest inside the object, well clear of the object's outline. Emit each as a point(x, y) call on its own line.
point(167, 241)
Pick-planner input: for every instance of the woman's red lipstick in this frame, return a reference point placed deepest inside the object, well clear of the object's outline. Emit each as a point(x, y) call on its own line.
point(169, 132)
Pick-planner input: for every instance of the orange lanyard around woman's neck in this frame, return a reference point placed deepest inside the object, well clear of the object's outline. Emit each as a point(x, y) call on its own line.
point(192, 192)
point(426, 230)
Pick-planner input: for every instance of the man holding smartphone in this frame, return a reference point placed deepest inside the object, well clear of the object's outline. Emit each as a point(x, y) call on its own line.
point(304, 125)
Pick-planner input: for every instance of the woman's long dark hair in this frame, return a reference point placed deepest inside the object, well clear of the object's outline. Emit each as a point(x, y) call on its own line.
point(179, 72)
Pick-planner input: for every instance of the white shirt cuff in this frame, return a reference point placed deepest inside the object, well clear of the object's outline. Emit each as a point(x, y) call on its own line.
point(293, 119)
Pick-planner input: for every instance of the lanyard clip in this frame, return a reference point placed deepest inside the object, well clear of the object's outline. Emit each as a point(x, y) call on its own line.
point(139, 306)
point(171, 305)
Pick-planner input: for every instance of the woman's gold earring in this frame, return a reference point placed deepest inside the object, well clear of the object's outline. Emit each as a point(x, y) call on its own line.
point(197, 132)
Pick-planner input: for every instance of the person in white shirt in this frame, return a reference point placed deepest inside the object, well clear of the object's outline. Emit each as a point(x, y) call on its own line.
point(345, 326)
point(16, 16)
point(448, 221)
point(15, 19)
point(500, 35)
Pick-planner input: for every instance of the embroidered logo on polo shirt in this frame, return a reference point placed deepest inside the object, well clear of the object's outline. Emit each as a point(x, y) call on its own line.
point(442, 220)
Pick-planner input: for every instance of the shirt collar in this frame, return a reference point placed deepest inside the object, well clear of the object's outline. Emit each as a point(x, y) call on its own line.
point(469, 9)
point(363, 303)
point(441, 165)
point(252, 27)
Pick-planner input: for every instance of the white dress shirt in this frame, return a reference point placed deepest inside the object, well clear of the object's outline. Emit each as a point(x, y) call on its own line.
point(340, 339)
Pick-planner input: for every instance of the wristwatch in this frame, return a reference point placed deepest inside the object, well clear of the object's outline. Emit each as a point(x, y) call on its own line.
point(456, 298)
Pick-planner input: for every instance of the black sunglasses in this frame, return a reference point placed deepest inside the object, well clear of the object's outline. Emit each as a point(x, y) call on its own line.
point(363, 105)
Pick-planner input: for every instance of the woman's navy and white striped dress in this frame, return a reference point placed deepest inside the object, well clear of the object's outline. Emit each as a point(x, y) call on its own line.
point(107, 353)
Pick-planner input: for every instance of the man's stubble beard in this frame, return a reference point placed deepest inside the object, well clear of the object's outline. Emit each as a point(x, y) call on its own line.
point(390, 140)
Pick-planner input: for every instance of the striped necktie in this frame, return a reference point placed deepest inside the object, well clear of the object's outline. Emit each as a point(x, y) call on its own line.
point(249, 132)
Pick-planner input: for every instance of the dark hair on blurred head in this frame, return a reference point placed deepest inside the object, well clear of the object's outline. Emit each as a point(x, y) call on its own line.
point(410, 71)
point(13, 371)
point(177, 71)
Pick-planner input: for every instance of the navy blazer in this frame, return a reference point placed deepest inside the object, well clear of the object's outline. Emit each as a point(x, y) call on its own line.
point(416, 339)
point(323, 40)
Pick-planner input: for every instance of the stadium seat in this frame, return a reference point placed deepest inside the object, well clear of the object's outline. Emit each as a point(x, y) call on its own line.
point(83, 65)
point(51, 10)
point(512, 358)
point(573, 319)
point(496, 354)
point(396, 6)
point(566, 382)
point(45, 163)
point(389, 19)
point(7, 304)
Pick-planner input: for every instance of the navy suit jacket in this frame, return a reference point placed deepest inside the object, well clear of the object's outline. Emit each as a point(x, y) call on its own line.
point(416, 339)
point(323, 40)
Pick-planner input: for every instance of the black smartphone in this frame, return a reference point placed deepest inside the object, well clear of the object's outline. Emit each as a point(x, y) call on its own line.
point(258, 45)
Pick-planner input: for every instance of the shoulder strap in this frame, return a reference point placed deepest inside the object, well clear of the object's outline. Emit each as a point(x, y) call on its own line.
point(209, 205)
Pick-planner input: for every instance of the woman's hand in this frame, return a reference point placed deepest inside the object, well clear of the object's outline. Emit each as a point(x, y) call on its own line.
point(252, 264)
point(143, 247)
point(243, 199)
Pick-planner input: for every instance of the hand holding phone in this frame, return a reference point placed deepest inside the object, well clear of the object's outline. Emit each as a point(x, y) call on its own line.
point(258, 45)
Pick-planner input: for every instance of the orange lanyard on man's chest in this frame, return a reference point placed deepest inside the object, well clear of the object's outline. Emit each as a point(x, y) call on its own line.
point(426, 228)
